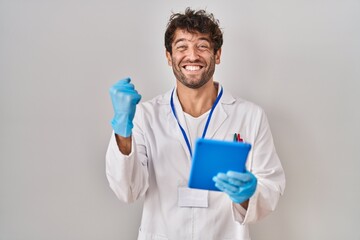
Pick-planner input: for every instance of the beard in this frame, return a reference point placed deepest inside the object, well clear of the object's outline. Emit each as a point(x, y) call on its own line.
point(194, 82)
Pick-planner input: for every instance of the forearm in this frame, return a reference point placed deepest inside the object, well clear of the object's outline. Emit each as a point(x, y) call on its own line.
point(127, 174)
point(124, 144)
point(245, 204)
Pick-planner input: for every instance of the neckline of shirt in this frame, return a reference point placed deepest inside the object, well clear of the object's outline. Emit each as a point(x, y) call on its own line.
point(204, 115)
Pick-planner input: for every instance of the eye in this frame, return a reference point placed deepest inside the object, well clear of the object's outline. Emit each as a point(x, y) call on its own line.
point(203, 46)
point(181, 47)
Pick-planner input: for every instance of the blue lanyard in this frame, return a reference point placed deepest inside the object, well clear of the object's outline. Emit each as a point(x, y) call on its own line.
point(207, 121)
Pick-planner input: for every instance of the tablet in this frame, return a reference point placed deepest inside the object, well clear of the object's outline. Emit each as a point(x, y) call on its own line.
point(214, 156)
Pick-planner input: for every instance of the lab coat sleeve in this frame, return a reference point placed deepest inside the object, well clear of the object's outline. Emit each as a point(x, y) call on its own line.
point(128, 174)
point(264, 163)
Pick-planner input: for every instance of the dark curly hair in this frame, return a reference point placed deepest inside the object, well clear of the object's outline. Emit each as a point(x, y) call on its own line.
point(194, 21)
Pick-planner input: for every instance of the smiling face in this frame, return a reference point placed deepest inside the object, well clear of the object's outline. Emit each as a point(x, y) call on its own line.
point(193, 59)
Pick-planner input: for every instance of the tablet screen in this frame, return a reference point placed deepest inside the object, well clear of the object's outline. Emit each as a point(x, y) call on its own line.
point(214, 156)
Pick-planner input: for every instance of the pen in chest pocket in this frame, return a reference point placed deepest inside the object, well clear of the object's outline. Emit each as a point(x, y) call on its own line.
point(237, 138)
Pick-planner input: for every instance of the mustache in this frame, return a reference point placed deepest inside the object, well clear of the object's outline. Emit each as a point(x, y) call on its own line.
point(192, 62)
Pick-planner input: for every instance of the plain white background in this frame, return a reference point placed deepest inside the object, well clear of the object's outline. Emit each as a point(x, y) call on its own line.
point(299, 60)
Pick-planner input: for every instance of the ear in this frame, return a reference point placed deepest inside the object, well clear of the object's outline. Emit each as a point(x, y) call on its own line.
point(217, 56)
point(168, 56)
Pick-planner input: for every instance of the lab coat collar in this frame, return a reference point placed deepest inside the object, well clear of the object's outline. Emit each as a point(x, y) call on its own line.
point(218, 118)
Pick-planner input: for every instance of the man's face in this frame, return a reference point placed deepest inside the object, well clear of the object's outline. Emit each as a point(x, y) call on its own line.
point(193, 59)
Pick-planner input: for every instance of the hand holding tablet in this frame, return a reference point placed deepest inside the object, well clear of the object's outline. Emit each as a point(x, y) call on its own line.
point(239, 186)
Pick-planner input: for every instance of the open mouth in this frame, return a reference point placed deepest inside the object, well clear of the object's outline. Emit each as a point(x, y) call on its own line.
point(192, 68)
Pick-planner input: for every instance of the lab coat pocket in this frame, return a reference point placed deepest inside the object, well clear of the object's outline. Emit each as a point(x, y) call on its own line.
point(236, 239)
point(149, 236)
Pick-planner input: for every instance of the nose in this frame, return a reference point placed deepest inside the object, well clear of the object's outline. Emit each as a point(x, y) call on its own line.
point(193, 54)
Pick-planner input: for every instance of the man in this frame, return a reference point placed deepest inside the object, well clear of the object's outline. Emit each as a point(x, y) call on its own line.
point(149, 154)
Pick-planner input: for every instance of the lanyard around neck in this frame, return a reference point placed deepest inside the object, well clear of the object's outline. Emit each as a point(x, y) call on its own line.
point(207, 121)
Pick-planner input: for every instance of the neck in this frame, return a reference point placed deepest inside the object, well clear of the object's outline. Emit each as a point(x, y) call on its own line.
point(197, 101)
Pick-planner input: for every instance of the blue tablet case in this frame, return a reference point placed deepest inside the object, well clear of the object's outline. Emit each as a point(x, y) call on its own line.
point(214, 156)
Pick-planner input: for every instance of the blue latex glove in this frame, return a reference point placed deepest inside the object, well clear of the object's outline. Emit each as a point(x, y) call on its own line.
point(124, 99)
point(239, 186)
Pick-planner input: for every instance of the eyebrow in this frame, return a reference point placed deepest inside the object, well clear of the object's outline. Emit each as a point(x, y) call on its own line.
point(179, 40)
point(184, 39)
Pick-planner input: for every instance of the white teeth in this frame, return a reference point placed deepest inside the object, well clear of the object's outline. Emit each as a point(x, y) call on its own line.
point(192, 68)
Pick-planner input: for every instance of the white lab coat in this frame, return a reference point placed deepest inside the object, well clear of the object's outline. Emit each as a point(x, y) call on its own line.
point(159, 164)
